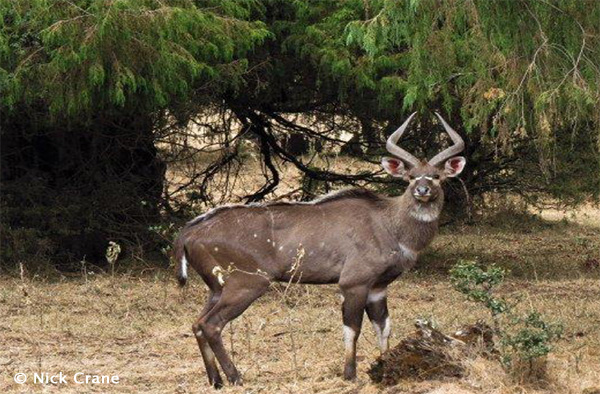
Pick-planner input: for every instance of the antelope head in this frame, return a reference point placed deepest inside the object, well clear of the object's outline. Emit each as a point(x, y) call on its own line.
point(425, 178)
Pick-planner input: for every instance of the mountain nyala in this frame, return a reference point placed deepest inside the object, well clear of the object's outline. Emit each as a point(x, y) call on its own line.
point(358, 239)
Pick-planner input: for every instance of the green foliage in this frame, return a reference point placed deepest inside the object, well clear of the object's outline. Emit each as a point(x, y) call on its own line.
point(522, 78)
point(167, 232)
point(526, 337)
point(533, 339)
point(88, 56)
point(478, 285)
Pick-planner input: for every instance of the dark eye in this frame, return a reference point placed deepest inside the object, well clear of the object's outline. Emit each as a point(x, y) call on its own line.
point(411, 177)
point(436, 176)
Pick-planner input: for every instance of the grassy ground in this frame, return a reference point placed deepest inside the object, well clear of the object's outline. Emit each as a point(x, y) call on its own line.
point(139, 328)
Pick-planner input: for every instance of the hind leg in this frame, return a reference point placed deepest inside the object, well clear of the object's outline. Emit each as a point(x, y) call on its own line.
point(353, 309)
point(208, 356)
point(377, 311)
point(239, 291)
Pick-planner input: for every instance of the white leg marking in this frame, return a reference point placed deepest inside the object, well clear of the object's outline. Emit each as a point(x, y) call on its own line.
point(377, 330)
point(385, 335)
point(349, 335)
point(184, 265)
point(376, 295)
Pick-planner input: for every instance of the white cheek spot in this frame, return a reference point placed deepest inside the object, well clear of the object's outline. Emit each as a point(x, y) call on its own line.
point(199, 334)
point(342, 297)
point(349, 335)
point(376, 295)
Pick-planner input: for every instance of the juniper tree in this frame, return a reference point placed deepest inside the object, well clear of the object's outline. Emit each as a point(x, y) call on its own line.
point(87, 88)
point(84, 85)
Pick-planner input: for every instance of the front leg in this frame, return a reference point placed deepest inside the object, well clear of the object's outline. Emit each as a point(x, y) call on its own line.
point(377, 311)
point(355, 299)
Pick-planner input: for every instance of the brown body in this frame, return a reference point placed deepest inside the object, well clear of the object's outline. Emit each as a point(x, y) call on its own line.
point(355, 238)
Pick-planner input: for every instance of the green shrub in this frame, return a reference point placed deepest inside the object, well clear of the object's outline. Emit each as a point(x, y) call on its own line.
point(522, 337)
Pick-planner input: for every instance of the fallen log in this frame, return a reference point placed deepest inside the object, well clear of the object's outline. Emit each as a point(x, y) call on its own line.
point(429, 354)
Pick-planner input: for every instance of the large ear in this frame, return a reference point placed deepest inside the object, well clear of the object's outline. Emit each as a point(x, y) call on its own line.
point(454, 166)
point(394, 167)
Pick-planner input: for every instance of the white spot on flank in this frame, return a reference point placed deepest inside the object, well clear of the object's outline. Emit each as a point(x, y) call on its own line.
point(268, 240)
point(408, 253)
point(349, 335)
point(273, 243)
point(322, 244)
point(255, 235)
point(281, 248)
point(184, 266)
point(216, 249)
point(376, 295)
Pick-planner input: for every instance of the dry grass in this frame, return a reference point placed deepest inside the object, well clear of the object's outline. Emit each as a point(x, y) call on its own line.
point(140, 328)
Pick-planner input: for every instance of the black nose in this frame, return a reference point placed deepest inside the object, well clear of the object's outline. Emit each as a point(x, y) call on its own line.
point(422, 190)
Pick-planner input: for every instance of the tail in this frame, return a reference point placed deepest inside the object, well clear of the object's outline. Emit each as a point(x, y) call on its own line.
point(181, 262)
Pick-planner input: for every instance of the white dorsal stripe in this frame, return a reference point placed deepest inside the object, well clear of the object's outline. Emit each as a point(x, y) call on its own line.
point(324, 198)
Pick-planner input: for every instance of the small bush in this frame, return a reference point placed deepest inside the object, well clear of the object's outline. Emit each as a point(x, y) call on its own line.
point(525, 339)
